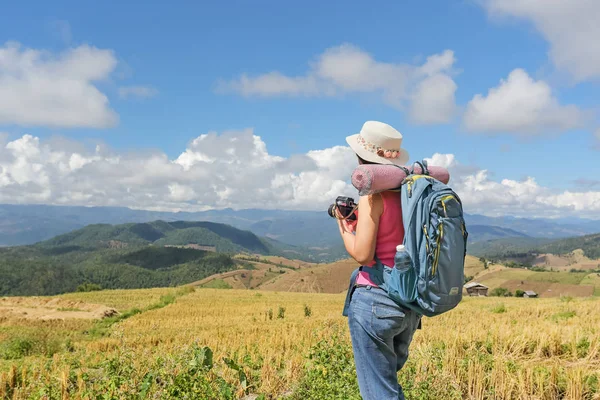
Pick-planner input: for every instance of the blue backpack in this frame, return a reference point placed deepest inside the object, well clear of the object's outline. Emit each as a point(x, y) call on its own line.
point(435, 237)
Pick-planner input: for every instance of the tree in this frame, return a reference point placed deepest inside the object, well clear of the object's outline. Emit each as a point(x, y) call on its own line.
point(519, 293)
point(484, 262)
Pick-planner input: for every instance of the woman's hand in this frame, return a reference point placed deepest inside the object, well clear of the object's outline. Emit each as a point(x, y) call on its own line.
point(348, 225)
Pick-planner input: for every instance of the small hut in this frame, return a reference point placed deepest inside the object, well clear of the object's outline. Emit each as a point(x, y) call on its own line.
point(530, 293)
point(476, 289)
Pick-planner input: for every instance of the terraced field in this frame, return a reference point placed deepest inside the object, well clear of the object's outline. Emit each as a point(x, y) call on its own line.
point(235, 344)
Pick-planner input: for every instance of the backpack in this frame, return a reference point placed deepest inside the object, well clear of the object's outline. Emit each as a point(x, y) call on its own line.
point(435, 237)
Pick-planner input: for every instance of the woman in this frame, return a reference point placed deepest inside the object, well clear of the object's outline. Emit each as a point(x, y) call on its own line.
point(380, 329)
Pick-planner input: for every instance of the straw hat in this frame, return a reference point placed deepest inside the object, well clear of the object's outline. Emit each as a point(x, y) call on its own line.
point(379, 143)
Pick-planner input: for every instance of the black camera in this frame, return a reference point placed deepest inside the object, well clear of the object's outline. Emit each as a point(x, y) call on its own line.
point(345, 206)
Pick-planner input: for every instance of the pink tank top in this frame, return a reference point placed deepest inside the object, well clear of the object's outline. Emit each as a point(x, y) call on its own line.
point(389, 235)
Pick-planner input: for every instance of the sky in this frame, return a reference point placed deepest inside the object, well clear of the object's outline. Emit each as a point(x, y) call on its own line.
point(197, 105)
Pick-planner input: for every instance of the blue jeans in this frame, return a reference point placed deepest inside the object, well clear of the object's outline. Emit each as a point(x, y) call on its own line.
point(381, 333)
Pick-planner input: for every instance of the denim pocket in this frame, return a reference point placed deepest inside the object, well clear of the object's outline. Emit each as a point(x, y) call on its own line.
point(387, 321)
point(384, 311)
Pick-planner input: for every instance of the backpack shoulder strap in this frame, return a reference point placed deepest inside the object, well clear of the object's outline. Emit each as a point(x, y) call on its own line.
point(406, 171)
point(423, 165)
point(411, 193)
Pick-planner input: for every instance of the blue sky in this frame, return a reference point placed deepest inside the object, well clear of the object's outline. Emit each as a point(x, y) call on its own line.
point(184, 53)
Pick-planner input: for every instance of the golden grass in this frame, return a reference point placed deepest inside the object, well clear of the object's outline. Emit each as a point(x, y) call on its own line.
point(527, 348)
point(473, 266)
point(120, 299)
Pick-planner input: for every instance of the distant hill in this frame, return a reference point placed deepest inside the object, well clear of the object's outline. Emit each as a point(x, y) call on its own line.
point(479, 233)
point(590, 244)
point(134, 255)
point(49, 270)
point(512, 247)
point(28, 224)
point(537, 227)
point(225, 238)
point(497, 248)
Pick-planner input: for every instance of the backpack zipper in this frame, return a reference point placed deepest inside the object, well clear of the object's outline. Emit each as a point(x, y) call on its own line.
point(411, 180)
point(444, 200)
point(437, 250)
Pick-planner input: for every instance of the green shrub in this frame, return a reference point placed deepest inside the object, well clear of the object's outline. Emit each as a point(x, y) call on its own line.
point(519, 293)
point(566, 299)
point(41, 343)
point(563, 316)
point(307, 311)
point(217, 284)
point(182, 291)
point(88, 287)
point(16, 348)
point(281, 312)
point(501, 292)
point(329, 373)
point(499, 309)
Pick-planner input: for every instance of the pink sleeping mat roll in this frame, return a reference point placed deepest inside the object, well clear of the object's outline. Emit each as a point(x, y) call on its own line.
point(375, 178)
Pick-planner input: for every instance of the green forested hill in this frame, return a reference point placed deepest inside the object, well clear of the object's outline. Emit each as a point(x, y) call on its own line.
point(498, 248)
point(590, 244)
point(124, 256)
point(30, 271)
point(226, 238)
point(131, 255)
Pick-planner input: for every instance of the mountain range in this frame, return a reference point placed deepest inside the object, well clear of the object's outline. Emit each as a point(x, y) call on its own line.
point(166, 253)
point(132, 255)
point(28, 224)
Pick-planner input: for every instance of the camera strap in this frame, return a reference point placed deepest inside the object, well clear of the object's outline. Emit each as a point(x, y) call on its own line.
point(350, 214)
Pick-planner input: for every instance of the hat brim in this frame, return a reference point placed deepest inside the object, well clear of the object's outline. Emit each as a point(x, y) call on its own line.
point(372, 157)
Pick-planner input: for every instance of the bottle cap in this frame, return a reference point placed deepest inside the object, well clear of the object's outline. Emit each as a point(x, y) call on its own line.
point(400, 247)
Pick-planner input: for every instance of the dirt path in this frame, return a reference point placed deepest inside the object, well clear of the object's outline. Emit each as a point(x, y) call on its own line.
point(49, 308)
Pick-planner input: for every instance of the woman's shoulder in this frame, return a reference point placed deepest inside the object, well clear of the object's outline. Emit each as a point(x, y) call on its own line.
point(373, 202)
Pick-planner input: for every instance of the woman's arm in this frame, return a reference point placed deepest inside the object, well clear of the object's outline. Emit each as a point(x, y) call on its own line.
point(361, 246)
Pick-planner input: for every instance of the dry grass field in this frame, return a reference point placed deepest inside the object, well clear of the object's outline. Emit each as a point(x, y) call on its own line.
point(545, 283)
point(574, 260)
point(295, 346)
point(280, 274)
point(298, 276)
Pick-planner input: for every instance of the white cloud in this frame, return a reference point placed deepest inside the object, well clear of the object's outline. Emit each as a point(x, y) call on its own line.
point(346, 69)
point(521, 105)
point(137, 91)
point(433, 101)
point(482, 195)
point(38, 88)
point(234, 169)
point(442, 160)
point(570, 26)
point(231, 169)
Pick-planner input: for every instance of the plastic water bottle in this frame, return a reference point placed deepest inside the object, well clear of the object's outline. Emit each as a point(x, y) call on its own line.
point(407, 276)
point(402, 260)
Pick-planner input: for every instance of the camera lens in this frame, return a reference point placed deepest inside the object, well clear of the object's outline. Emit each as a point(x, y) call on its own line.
point(331, 211)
